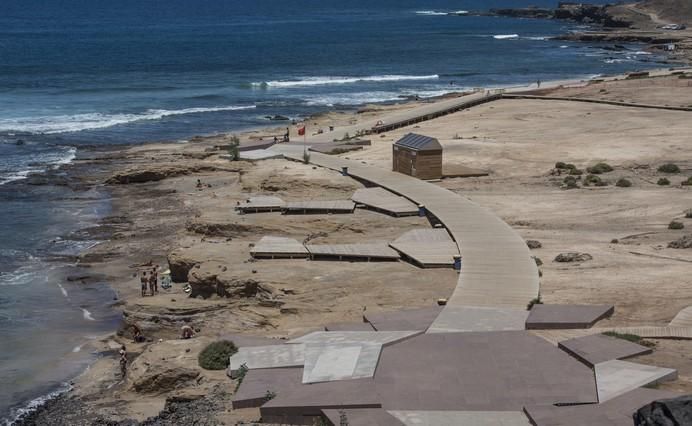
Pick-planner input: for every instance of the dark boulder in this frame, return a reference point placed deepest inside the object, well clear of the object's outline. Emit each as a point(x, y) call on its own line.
point(665, 412)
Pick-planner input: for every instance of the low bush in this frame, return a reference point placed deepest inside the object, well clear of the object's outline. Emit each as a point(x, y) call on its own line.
point(623, 183)
point(591, 180)
point(216, 356)
point(669, 168)
point(600, 168)
point(688, 213)
point(687, 182)
point(576, 172)
point(534, 301)
point(663, 182)
point(570, 182)
point(676, 225)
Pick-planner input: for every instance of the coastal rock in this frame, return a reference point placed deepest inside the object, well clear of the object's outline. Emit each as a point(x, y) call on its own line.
point(155, 173)
point(161, 378)
point(534, 244)
point(573, 257)
point(180, 262)
point(221, 229)
point(681, 243)
point(675, 411)
point(210, 279)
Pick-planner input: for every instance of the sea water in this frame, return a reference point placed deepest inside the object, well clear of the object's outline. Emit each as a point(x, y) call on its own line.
point(76, 74)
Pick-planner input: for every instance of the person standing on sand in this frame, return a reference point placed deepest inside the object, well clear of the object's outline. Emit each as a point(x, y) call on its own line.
point(152, 282)
point(155, 273)
point(123, 361)
point(187, 332)
point(144, 281)
point(538, 83)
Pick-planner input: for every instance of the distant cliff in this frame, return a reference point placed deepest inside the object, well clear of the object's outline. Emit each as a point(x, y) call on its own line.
point(579, 12)
point(679, 11)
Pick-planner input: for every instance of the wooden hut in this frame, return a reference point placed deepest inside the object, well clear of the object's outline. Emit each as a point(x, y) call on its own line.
point(417, 155)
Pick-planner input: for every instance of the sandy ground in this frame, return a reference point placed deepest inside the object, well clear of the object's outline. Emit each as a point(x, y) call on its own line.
point(517, 141)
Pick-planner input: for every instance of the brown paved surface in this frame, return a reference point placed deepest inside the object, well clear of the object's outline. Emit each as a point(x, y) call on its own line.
point(498, 371)
point(410, 319)
point(599, 348)
point(544, 317)
point(364, 417)
point(616, 412)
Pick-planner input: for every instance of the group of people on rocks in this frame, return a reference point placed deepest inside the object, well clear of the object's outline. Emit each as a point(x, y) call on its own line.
point(149, 278)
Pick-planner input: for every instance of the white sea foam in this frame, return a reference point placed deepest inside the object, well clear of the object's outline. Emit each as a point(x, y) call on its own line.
point(360, 98)
point(49, 160)
point(62, 290)
point(89, 121)
point(506, 36)
point(87, 315)
point(320, 81)
point(536, 38)
point(430, 13)
point(36, 403)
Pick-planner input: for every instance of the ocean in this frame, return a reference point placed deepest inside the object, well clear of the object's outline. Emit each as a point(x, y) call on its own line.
point(78, 74)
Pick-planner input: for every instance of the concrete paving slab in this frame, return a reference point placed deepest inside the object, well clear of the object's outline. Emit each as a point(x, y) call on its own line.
point(615, 412)
point(350, 326)
point(363, 417)
point(454, 318)
point(614, 378)
point(408, 319)
point(683, 318)
point(598, 348)
point(353, 337)
point(328, 363)
point(253, 391)
point(273, 356)
point(545, 317)
point(457, 418)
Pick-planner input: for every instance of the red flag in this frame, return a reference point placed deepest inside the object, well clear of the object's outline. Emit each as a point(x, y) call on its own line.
point(301, 131)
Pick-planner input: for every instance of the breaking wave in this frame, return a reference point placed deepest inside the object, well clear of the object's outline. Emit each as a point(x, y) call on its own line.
point(506, 36)
point(96, 120)
point(320, 81)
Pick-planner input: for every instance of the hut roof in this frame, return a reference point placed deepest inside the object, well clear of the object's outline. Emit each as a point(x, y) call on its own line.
point(419, 143)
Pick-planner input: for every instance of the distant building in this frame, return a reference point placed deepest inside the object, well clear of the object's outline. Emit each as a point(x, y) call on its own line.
point(417, 155)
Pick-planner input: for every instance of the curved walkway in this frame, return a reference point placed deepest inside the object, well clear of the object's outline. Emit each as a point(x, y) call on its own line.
point(497, 268)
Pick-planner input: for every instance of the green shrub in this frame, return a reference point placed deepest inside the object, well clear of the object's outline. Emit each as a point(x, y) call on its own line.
point(676, 225)
point(602, 183)
point(216, 356)
point(624, 336)
point(623, 183)
point(663, 182)
point(688, 213)
point(600, 168)
point(570, 182)
point(560, 165)
point(687, 182)
point(534, 301)
point(591, 180)
point(669, 168)
point(576, 172)
point(233, 151)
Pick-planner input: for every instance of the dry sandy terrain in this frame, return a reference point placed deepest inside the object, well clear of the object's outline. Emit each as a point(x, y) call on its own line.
point(517, 141)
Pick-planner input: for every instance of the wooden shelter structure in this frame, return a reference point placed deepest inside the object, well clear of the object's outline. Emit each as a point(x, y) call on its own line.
point(418, 156)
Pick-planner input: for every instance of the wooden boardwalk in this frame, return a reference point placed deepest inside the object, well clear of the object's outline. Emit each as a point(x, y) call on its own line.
point(497, 267)
point(260, 204)
point(368, 252)
point(278, 248)
point(381, 200)
point(316, 207)
point(427, 248)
